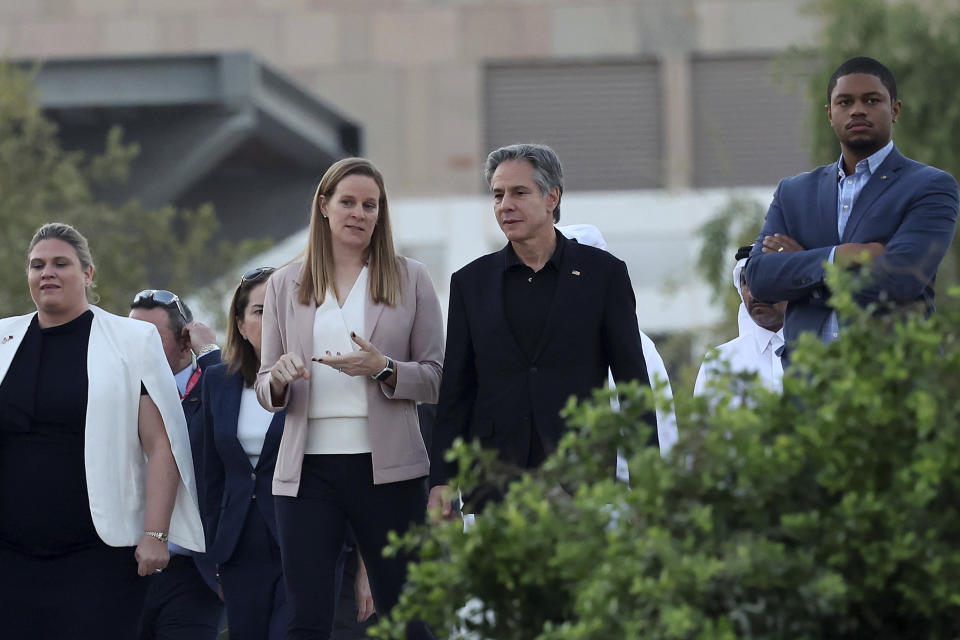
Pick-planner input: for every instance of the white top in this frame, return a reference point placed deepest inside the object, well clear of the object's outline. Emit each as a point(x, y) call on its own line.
point(667, 433)
point(337, 416)
point(751, 352)
point(252, 424)
point(755, 350)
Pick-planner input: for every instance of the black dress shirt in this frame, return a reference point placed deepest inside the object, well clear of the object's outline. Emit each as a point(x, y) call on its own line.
point(528, 295)
point(527, 298)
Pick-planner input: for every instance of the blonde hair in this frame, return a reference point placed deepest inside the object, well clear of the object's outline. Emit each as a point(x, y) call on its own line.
point(66, 233)
point(384, 266)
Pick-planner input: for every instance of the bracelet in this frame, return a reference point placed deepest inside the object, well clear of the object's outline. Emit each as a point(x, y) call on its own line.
point(159, 535)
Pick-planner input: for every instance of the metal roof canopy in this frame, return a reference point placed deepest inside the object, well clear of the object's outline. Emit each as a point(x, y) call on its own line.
point(192, 115)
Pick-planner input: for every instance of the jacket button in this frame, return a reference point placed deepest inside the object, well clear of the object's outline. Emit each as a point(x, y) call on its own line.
point(253, 476)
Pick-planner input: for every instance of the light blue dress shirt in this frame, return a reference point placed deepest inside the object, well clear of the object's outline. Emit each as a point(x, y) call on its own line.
point(847, 193)
point(182, 378)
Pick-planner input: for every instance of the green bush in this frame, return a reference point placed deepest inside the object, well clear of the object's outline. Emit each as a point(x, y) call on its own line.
point(827, 512)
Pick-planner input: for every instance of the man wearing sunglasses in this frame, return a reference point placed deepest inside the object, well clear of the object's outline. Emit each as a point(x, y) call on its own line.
point(182, 601)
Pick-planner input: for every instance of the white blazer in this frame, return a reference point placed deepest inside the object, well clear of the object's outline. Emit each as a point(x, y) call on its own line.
point(121, 353)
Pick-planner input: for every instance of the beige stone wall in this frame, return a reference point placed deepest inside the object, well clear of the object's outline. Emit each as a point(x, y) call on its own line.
point(410, 71)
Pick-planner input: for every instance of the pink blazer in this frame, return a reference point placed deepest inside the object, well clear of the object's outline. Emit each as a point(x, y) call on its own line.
point(411, 333)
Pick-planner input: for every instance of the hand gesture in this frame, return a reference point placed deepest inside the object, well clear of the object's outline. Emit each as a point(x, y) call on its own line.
point(367, 361)
point(284, 371)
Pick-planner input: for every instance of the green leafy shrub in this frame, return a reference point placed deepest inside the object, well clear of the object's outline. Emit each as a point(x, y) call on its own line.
point(827, 512)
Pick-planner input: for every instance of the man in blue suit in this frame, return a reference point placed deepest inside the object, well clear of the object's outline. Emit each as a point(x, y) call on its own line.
point(872, 202)
point(182, 601)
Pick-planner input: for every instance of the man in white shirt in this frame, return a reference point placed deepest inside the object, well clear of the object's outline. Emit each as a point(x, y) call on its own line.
point(182, 601)
point(758, 347)
point(667, 434)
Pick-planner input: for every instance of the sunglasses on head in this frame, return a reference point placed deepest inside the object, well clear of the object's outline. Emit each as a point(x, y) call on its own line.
point(165, 298)
point(260, 273)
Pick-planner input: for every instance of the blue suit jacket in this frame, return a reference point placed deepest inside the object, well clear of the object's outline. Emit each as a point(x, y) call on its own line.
point(907, 206)
point(231, 484)
point(192, 411)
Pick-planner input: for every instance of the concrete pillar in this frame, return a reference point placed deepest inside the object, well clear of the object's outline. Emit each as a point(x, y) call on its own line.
point(677, 114)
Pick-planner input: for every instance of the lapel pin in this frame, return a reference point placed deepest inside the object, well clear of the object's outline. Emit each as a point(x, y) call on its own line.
point(575, 272)
point(883, 177)
point(6, 339)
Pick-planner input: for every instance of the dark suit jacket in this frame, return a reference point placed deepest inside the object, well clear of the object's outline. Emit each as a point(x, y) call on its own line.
point(492, 391)
point(908, 207)
point(192, 411)
point(231, 485)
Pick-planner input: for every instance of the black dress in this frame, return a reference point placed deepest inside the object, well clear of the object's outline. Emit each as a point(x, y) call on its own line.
point(57, 578)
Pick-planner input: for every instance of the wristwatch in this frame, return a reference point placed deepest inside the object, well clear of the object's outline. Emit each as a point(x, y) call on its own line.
point(387, 371)
point(205, 349)
point(159, 535)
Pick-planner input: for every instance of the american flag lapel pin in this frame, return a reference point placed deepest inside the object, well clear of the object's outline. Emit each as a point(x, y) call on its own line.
point(6, 339)
point(575, 272)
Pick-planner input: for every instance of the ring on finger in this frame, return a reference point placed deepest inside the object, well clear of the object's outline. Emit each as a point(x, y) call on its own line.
point(780, 249)
point(158, 570)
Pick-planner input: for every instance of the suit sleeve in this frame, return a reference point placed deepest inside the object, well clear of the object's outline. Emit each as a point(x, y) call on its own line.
point(774, 277)
point(213, 473)
point(271, 348)
point(458, 388)
point(622, 343)
point(419, 378)
point(911, 257)
point(208, 360)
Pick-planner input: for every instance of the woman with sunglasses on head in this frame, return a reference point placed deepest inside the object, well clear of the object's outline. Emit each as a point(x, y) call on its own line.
point(352, 340)
point(240, 450)
point(95, 467)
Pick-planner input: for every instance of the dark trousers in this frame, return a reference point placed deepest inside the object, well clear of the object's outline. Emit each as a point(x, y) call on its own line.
point(180, 605)
point(252, 581)
point(92, 594)
point(336, 491)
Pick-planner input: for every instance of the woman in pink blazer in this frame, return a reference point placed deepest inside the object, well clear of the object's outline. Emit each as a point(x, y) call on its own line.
point(352, 340)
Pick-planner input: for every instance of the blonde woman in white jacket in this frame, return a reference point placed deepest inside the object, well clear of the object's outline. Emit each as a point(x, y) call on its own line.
point(95, 464)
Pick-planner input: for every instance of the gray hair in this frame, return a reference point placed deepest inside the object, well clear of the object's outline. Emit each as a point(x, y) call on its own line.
point(66, 233)
point(547, 171)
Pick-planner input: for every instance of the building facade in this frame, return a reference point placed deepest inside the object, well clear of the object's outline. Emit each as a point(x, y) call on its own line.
point(656, 107)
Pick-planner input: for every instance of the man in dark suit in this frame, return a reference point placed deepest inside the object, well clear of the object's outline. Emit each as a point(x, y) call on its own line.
point(873, 201)
point(182, 601)
point(530, 325)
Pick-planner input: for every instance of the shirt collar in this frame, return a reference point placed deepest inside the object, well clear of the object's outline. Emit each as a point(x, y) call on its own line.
point(512, 260)
point(764, 337)
point(183, 377)
point(872, 161)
